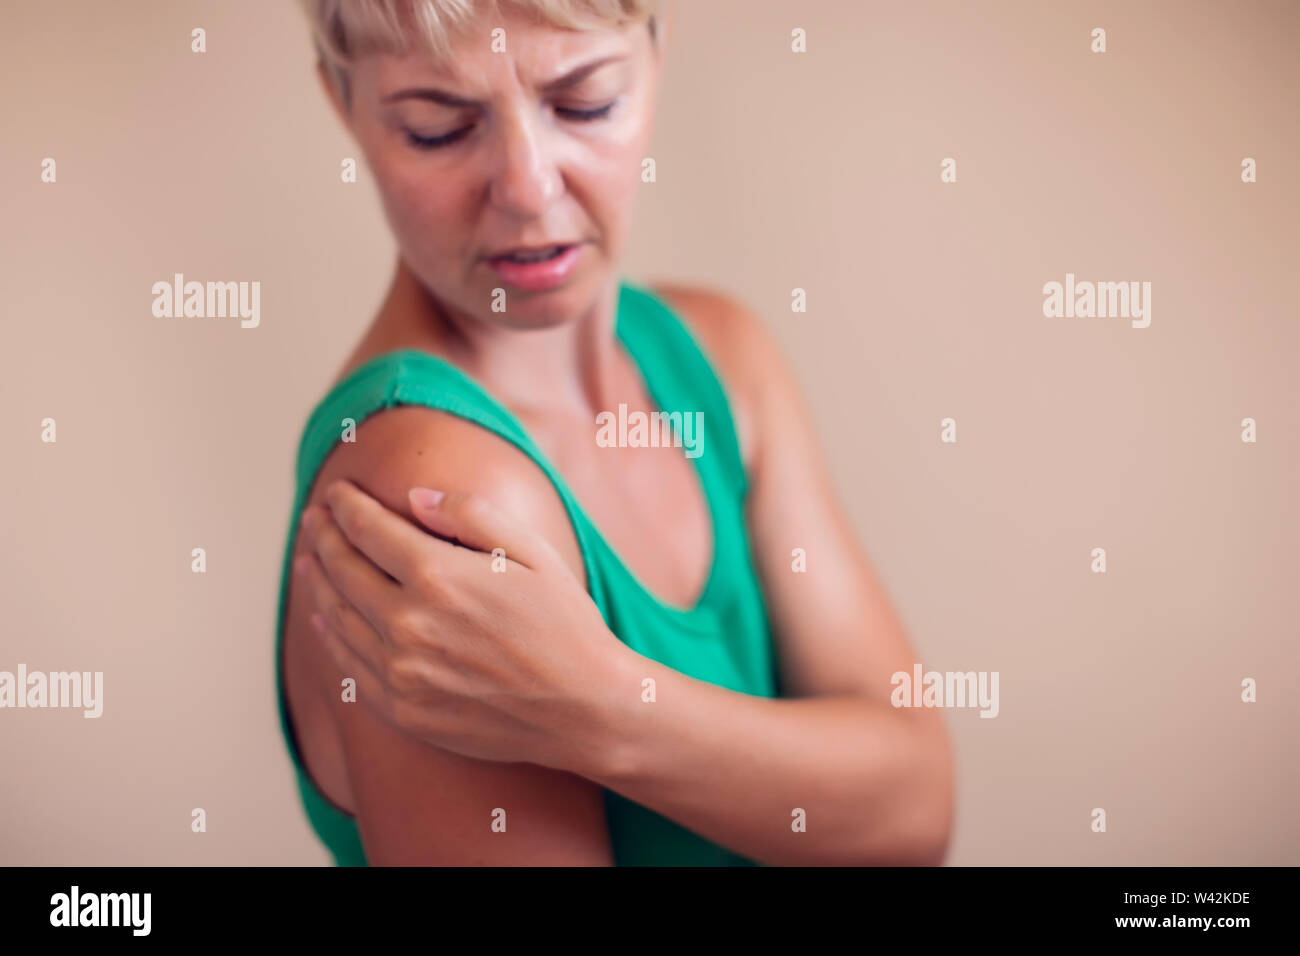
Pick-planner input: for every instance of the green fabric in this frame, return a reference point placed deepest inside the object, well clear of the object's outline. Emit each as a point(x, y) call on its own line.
point(725, 639)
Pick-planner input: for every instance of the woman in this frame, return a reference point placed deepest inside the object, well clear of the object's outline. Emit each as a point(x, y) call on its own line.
point(504, 641)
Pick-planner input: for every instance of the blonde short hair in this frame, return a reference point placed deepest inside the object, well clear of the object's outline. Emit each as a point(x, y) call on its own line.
point(343, 30)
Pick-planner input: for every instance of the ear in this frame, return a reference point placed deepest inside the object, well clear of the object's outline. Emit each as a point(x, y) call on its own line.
point(336, 101)
point(668, 15)
point(663, 29)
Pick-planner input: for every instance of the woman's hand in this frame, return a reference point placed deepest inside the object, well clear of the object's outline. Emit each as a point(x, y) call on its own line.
point(488, 647)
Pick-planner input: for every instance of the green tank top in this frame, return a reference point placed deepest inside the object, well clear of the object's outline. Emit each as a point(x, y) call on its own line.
point(724, 639)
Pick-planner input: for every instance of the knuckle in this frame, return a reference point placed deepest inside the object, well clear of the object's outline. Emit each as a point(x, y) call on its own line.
point(355, 526)
point(474, 507)
point(334, 492)
point(388, 670)
point(398, 674)
point(458, 502)
point(432, 582)
point(323, 544)
point(403, 714)
point(337, 616)
point(408, 675)
point(405, 627)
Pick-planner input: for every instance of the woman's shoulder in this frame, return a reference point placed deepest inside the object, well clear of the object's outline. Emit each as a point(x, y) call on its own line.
point(410, 445)
point(417, 421)
point(711, 314)
point(737, 344)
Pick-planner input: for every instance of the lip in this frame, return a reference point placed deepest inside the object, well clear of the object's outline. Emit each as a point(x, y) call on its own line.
point(538, 276)
point(538, 247)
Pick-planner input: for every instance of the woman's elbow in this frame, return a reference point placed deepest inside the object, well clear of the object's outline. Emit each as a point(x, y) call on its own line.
point(931, 831)
point(921, 832)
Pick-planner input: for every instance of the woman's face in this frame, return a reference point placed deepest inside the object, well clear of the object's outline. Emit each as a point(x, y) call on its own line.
point(535, 145)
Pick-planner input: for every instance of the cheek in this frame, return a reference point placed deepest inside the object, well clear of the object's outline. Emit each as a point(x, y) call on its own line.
point(608, 169)
point(419, 207)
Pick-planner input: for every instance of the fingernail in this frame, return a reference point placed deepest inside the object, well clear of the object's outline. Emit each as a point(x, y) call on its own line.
point(426, 497)
point(317, 621)
point(300, 565)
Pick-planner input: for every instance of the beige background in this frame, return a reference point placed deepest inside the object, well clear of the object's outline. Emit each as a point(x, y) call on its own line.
point(775, 170)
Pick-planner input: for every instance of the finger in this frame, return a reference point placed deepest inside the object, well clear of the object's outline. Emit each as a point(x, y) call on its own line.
point(385, 537)
point(340, 618)
point(354, 576)
point(370, 688)
point(481, 525)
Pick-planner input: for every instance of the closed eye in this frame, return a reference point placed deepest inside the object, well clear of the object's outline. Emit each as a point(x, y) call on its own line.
point(575, 115)
point(585, 116)
point(433, 142)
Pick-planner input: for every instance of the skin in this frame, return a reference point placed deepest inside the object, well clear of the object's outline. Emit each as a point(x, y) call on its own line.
point(481, 690)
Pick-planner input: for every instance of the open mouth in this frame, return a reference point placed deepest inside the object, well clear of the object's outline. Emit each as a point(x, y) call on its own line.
point(533, 256)
point(538, 270)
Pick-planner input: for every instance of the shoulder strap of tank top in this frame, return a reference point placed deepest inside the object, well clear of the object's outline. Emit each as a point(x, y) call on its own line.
point(403, 376)
point(680, 375)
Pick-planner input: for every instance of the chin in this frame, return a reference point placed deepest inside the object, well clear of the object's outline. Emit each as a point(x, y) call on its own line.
point(546, 310)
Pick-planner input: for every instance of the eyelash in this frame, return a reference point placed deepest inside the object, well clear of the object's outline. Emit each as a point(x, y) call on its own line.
point(434, 142)
point(577, 116)
point(586, 116)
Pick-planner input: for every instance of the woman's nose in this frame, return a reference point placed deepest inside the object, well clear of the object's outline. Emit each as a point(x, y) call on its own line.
point(526, 177)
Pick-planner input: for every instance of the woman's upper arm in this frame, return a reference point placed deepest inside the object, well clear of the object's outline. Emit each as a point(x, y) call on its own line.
point(416, 803)
point(834, 625)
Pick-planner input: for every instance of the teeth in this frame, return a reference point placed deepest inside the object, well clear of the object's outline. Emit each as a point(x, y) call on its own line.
point(541, 256)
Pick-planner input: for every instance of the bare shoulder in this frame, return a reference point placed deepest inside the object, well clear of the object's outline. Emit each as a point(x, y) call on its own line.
point(740, 347)
point(412, 445)
point(723, 322)
point(408, 446)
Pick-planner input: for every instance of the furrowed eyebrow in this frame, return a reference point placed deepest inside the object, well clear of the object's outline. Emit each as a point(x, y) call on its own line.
point(570, 79)
point(577, 75)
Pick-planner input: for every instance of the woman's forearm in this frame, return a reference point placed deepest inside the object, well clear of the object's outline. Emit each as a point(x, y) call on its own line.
point(841, 780)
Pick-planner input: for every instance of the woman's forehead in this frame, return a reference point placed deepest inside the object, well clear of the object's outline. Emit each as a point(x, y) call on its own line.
point(537, 54)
